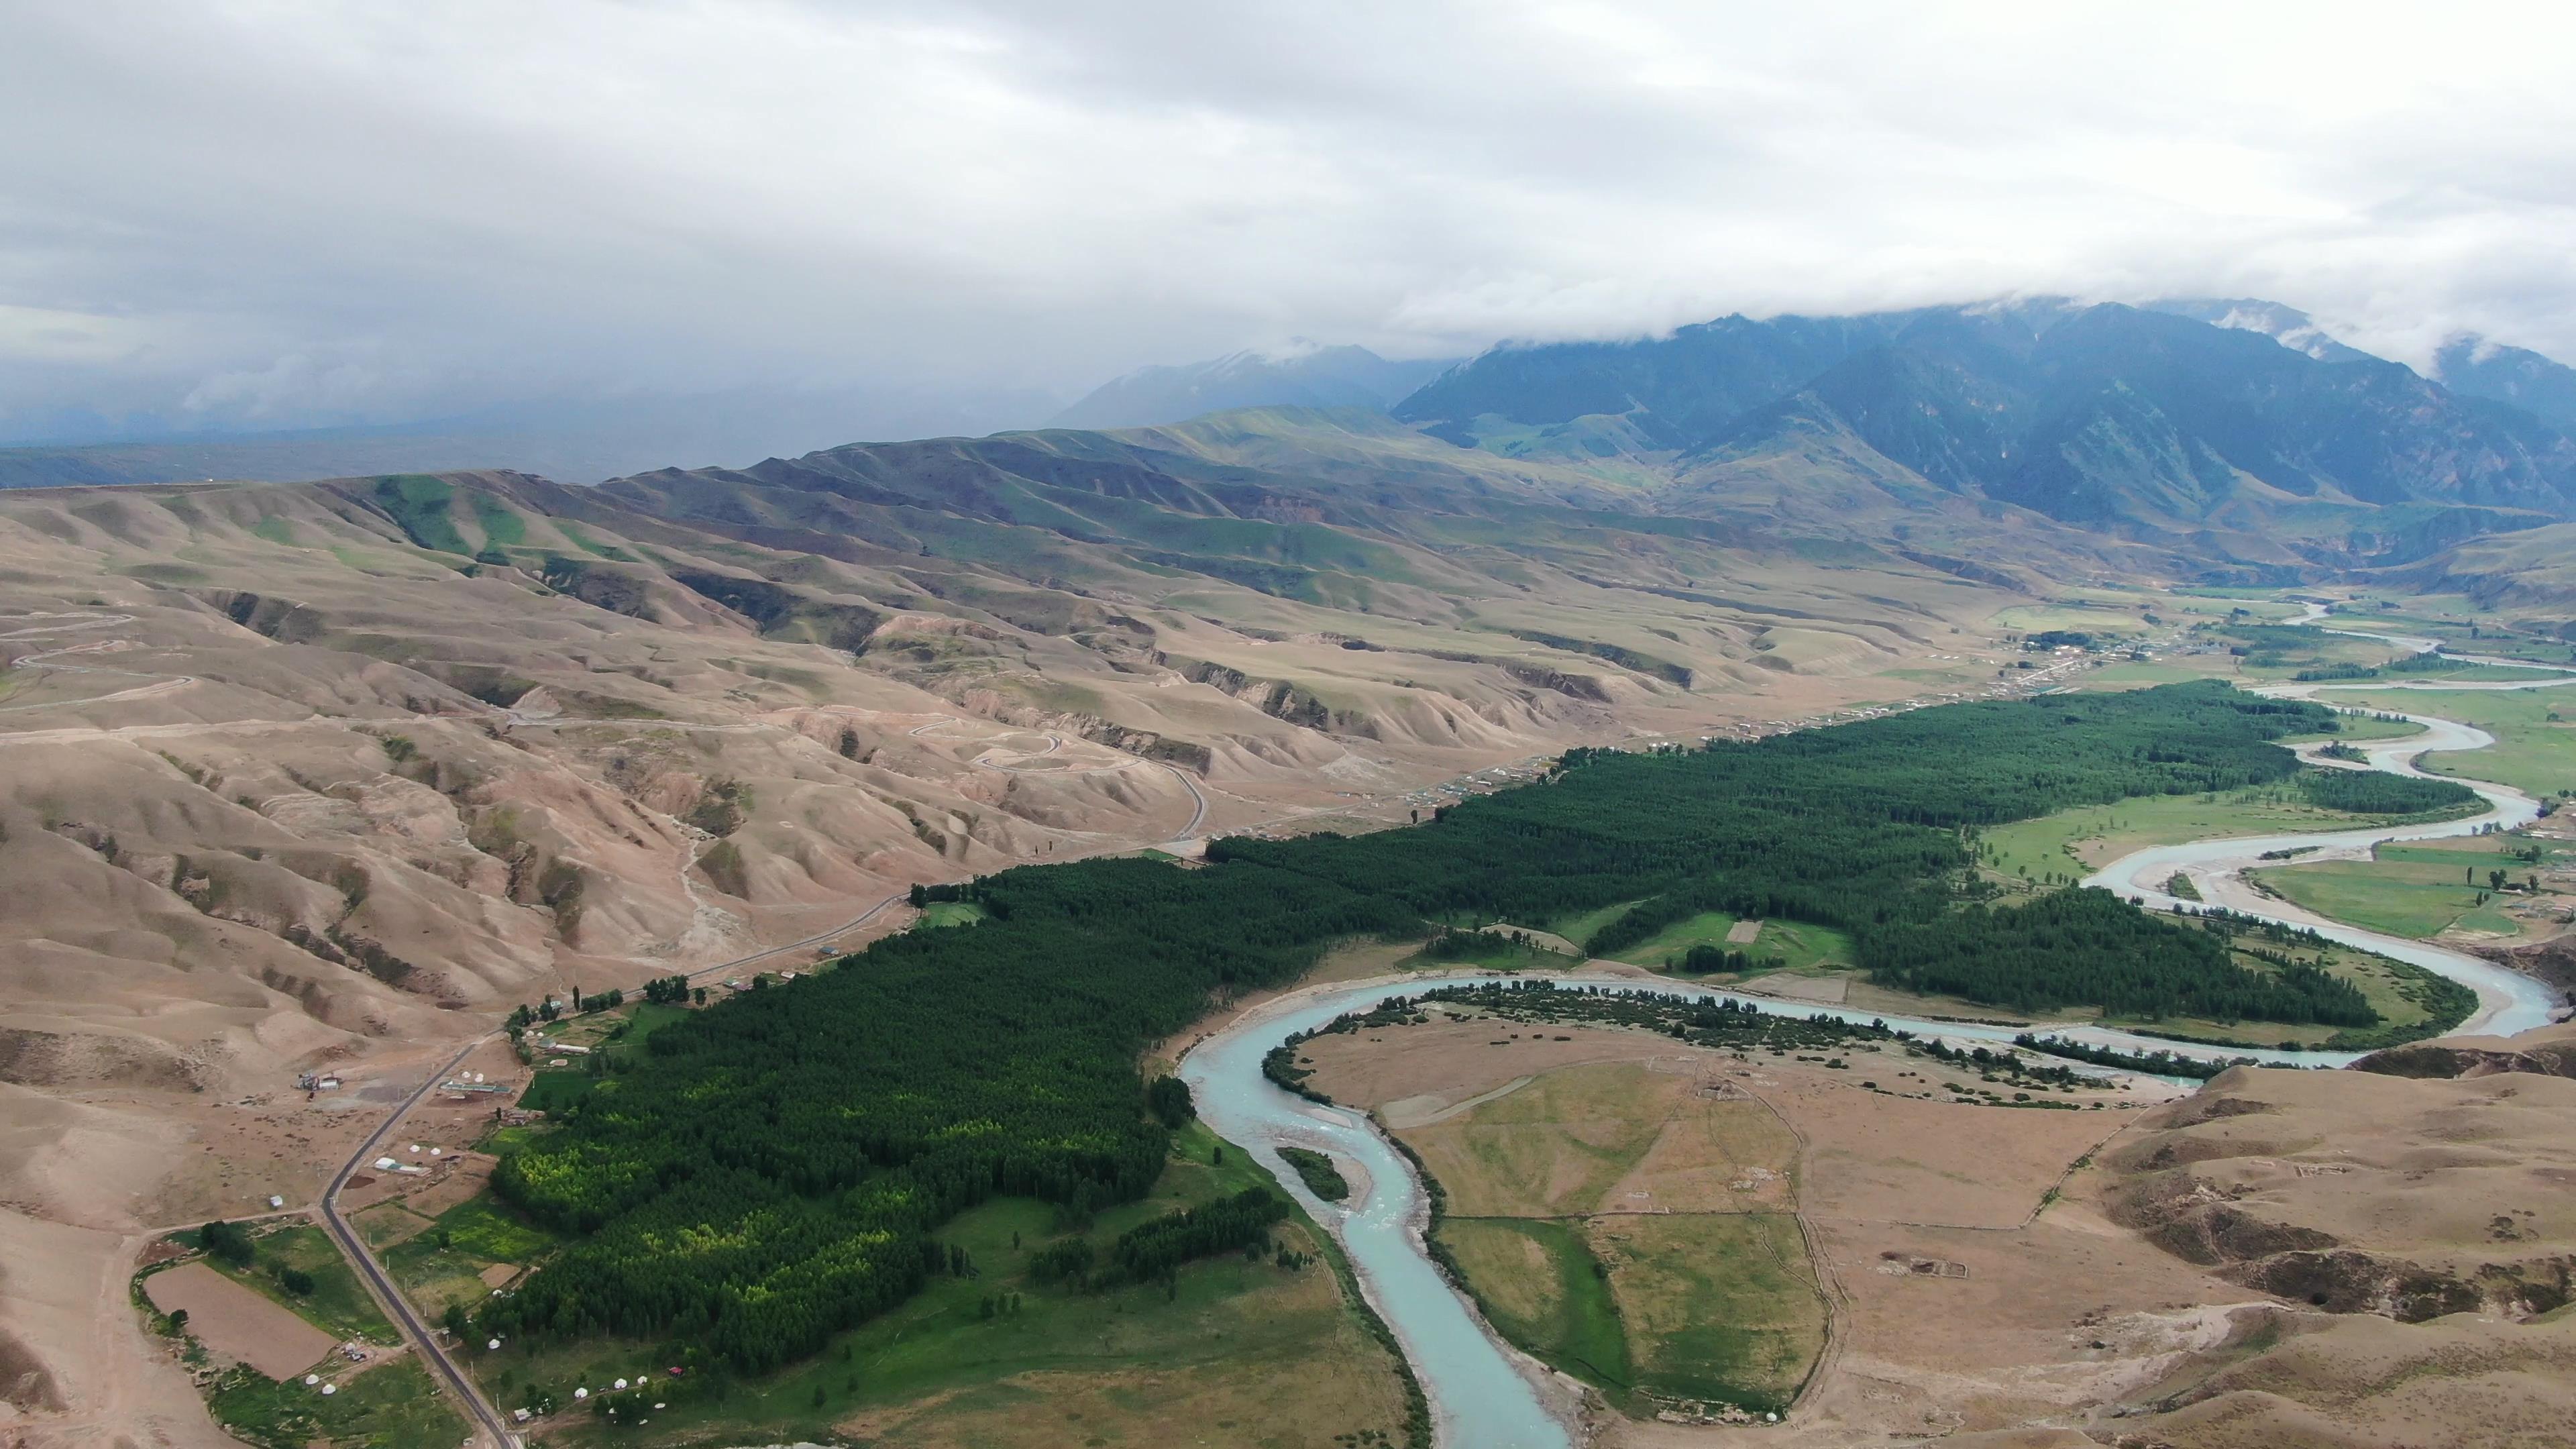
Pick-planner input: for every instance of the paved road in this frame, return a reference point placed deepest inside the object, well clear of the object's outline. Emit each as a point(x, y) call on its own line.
point(423, 1341)
point(1197, 815)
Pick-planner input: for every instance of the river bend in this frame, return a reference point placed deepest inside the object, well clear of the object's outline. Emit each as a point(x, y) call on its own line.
point(1484, 1394)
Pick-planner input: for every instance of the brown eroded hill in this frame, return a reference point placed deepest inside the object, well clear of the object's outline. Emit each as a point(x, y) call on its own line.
point(2414, 1217)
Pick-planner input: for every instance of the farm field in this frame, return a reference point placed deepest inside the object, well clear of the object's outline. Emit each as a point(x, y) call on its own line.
point(1630, 1212)
point(1537, 1281)
point(338, 1304)
point(2065, 847)
point(1240, 1346)
point(951, 913)
point(392, 1405)
point(1799, 945)
point(552, 1089)
point(2535, 730)
point(237, 1321)
point(2417, 890)
point(1623, 1224)
point(444, 1263)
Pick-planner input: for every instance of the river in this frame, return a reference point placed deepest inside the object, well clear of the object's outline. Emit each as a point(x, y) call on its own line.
point(1486, 1395)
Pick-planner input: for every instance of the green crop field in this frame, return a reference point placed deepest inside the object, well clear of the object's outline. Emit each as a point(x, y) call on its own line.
point(1801, 947)
point(951, 913)
point(1540, 1286)
point(1716, 1306)
point(442, 1263)
point(552, 1089)
point(2408, 890)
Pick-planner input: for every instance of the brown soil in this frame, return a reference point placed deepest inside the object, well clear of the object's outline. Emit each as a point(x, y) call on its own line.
point(234, 1321)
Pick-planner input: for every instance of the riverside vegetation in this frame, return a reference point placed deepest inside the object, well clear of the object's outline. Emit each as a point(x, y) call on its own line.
point(764, 1174)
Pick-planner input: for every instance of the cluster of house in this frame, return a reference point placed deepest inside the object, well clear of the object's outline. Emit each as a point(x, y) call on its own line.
point(395, 1164)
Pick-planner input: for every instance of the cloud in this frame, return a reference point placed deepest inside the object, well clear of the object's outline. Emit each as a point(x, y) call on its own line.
point(306, 213)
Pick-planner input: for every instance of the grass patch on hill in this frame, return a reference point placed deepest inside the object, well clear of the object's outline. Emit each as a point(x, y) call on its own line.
point(419, 505)
point(502, 526)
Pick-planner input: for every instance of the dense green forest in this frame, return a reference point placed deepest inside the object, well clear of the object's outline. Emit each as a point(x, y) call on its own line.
point(2090, 948)
point(772, 1170)
point(2368, 792)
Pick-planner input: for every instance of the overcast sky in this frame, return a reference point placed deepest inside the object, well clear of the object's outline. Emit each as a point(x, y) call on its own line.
point(273, 213)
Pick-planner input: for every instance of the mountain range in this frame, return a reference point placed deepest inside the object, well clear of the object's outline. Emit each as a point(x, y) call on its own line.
point(1302, 374)
point(2234, 431)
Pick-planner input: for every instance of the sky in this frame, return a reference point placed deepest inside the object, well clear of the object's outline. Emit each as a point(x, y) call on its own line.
point(277, 214)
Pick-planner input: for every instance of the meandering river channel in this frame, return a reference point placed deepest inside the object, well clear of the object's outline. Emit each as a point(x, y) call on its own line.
point(1484, 1394)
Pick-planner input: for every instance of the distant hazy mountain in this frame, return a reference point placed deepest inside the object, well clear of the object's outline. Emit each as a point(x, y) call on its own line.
point(2538, 385)
point(1302, 375)
point(570, 441)
point(2233, 423)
